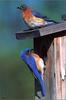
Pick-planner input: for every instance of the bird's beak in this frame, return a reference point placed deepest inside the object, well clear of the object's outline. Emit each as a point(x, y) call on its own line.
point(19, 8)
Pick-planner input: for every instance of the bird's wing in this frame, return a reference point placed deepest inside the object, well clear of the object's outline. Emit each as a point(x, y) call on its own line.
point(37, 14)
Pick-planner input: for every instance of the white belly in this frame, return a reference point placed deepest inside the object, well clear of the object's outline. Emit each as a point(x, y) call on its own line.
point(36, 22)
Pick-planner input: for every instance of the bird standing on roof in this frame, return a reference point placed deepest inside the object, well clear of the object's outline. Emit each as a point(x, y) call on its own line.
point(36, 66)
point(34, 19)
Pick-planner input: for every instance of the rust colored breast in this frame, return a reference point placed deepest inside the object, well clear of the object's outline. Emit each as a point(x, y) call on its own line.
point(27, 14)
point(37, 59)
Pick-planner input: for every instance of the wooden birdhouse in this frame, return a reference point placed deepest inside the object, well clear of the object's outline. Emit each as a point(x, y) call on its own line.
point(50, 44)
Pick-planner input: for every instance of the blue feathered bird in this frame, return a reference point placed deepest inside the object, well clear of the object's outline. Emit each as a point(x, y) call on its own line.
point(34, 19)
point(36, 66)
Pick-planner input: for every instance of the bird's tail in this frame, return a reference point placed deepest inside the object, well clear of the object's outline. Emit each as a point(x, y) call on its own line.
point(42, 83)
point(53, 21)
point(49, 20)
point(43, 87)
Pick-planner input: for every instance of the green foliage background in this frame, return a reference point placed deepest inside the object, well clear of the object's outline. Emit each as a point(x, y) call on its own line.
point(16, 81)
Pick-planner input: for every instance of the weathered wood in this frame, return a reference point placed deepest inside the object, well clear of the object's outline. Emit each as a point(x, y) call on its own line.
point(57, 68)
point(52, 71)
point(27, 34)
point(51, 29)
point(63, 61)
point(60, 62)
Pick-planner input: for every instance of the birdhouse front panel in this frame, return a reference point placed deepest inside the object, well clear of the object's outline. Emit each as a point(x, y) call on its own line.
point(60, 67)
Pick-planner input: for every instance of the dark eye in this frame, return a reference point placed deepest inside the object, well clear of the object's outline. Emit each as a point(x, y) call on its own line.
point(27, 53)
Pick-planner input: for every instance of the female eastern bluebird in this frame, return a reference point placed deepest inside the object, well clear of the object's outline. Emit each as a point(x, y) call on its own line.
point(36, 66)
point(34, 19)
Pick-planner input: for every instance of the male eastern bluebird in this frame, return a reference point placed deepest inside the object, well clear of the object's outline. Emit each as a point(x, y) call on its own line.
point(36, 66)
point(34, 19)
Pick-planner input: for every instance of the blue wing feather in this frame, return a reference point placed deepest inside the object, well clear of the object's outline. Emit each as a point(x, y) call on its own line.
point(37, 14)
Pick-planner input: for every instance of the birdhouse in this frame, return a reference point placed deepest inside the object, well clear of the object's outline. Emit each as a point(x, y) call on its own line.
point(50, 44)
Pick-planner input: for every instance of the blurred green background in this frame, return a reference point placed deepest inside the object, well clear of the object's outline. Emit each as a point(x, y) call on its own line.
point(16, 81)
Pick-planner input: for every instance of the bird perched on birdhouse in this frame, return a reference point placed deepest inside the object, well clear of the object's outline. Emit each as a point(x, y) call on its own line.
point(34, 19)
point(36, 66)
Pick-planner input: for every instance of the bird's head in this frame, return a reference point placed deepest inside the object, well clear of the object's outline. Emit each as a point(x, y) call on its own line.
point(22, 7)
point(29, 52)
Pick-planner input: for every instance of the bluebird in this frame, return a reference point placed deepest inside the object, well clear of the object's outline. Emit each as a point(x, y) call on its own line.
point(36, 66)
point(34, 19)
